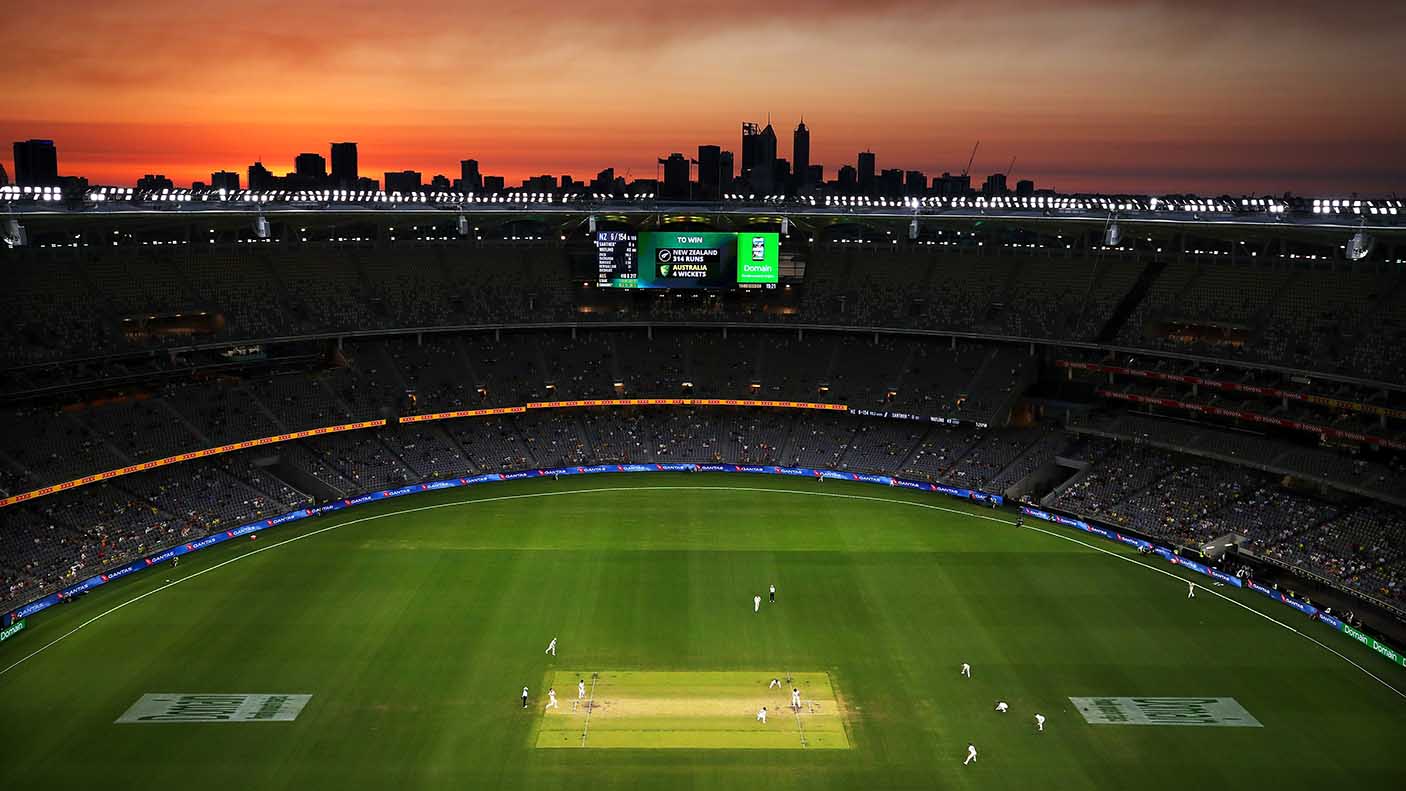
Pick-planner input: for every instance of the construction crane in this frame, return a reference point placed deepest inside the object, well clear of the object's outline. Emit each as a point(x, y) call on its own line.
point(1009, 169)
point(971, 159)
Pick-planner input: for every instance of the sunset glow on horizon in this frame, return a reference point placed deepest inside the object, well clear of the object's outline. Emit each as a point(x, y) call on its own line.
point(1095, 96)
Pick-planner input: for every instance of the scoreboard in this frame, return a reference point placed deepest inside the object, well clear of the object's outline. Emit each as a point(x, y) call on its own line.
point(687, 259)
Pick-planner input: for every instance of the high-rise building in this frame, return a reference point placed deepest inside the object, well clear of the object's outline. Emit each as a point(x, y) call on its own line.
point(604, 182)
point(995, 185)
point(725, 170)
point(310, 168)
point(224, 180)
point(1025, 188)
point(493, 184)
point(4, 177)
point(36, 163)
point(915, 183)
point(470, 179)
point(710, 174)
point(800, 154)
point(260, 178)
point(440, 182)
point(891, 182)
point(763, 173)
point(402, 181)
point(847, 179)
point(866, 172)
point(676, 182)
point(344, 166)
point(750, 133)
point(155, 181)
point(815, 175)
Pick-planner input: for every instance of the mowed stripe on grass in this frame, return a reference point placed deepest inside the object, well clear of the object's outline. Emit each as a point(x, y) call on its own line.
point(692, 710)
point(415, 633)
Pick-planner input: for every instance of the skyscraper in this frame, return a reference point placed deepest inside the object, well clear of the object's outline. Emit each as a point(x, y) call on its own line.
point(403, 181)
point(36, 163)
point(224, 180)
point(800, 155)
point(709, 172)
point(260, 178)
point(470, 180)
point(676, 183)
point(750, 133)
point(4, 177)
point(310, 168)
point(725, 170)
point(763, 173)
point(344, 166)
point(866, 172)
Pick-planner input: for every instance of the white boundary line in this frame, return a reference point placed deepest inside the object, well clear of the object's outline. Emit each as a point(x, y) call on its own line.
point(530, 495)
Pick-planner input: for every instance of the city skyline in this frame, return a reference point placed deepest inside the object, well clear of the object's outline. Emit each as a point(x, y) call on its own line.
point(1149, 97)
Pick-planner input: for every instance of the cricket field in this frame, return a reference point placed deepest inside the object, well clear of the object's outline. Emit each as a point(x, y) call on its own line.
point(386, 647)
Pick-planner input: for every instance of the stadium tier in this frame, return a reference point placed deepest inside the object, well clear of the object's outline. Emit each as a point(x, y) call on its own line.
point(1187, 382)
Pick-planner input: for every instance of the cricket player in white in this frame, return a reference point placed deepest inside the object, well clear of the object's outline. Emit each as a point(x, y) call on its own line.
point(524, 697)
point(1001, 706)
point(757, 603)
point(1040, 722)
point(551, 647)
point(795, 699)
point(581, 689)
point(775, 684)
point(966, 670)
point(761, 715)
point(971, 754)
point(552, 700)
point(773, 593)
point(1191, 590)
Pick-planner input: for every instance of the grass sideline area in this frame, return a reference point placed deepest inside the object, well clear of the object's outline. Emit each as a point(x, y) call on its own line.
point(414, 624)
point(708, 710)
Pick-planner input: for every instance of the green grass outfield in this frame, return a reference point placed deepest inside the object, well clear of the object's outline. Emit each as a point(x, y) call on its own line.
point(415, 623)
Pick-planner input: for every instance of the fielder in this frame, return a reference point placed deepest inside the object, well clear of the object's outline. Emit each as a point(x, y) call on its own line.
point(966, 670)
point(551, 647)
point(775, 684)
point(1191, 590)
point(1001, 706)
point(581, 689)
point(773, 593)
point(524, 697)
point(757, 603)
point(971, 754)
point(761, 715)
point(1040, 723)
point(795, 699)
point(551, 700)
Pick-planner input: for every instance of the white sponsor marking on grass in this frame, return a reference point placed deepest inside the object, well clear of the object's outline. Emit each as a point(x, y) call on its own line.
point(530, 495)
point(1185, 712)
point(156, 707)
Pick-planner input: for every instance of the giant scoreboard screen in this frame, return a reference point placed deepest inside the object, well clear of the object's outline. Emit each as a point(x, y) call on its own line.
point(687, 259)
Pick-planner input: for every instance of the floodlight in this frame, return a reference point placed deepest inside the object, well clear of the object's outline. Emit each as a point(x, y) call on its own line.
point(1359, 246)
point(15, 234)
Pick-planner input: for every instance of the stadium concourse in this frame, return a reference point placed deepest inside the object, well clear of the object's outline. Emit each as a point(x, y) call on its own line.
point(1227, 387)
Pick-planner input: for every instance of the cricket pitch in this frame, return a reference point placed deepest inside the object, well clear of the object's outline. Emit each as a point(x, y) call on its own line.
point(692, 710)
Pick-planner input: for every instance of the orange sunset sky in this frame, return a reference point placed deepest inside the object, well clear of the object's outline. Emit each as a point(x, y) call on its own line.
point(1197, 95)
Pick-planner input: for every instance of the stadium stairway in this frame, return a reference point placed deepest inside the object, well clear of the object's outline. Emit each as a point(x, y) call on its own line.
point(1150, 272)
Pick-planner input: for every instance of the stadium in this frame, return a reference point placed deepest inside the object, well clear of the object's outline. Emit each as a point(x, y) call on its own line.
point(299, 486)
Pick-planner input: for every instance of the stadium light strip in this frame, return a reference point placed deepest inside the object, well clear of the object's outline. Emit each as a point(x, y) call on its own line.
point(189, 456)
point(317, 432)
point(1235, 387)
